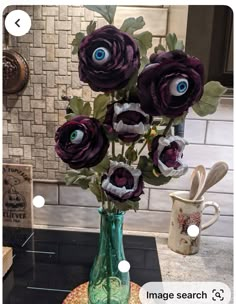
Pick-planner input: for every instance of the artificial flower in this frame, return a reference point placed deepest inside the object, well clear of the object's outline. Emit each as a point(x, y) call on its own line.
point(123, 182)
point(166, 154)
point(127, 120)
point(170, 84)
point(81, 142)
point(108, 58)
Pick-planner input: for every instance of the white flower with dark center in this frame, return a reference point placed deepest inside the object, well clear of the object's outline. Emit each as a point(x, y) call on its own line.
point(128, 120)
point(123, 182)
point(167, 153)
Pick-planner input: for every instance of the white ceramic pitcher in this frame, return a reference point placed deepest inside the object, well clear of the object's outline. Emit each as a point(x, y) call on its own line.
point(184, 213)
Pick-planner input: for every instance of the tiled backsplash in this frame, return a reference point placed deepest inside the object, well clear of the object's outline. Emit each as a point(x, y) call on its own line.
point(78, 208)
point(31, 118)
point(30, 121)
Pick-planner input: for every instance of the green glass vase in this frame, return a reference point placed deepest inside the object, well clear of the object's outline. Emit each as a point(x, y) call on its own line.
point(107, 285)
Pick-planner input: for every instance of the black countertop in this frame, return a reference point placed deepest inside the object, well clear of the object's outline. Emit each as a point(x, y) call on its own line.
point(48, 264)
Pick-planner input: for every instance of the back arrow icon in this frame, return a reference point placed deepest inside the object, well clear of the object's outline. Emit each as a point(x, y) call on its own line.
point(16, 23)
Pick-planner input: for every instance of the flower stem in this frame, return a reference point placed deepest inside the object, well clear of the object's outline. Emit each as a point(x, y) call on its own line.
point(168, 126)
point(109, 206)
point(112, 96)
point(142, 148)
point(102, 197)
point(123, 149)
point(113, 148)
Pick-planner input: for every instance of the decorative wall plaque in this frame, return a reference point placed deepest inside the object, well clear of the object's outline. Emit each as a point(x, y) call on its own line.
point(15, 72)
point(17, 195)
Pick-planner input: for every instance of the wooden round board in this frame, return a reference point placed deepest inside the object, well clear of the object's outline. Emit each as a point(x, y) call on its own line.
point(80, 295)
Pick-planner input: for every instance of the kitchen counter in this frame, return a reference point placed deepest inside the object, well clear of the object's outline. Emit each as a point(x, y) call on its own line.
point(213, 262)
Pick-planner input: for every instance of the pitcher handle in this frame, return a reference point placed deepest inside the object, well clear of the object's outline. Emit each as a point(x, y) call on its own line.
point(216, 215)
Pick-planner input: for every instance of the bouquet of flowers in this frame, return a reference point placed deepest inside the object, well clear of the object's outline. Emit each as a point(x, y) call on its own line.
point(142, 99)
point(126, 139)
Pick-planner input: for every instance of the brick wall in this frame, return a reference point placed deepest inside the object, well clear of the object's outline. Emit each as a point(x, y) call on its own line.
point(30, 121)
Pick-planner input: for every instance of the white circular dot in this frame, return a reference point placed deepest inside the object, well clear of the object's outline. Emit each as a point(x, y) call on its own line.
point(124, 266)
point(193, 231)
point(38, 201)
point(18, 23)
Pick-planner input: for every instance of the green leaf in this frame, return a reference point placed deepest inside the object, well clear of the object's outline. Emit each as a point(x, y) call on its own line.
point(100, 106)
point(79, 107)
point(119, 94)
point(144, 41)
point(86, 172)
point(82, 181)
point(70, 177)
point(127, 205)
point(178, 120)
point(80, 177)
point(107, 11)
point(103, 165)
point(96, 190)
point(174, 37)
point(70, 116)
point(131, 154)
point(87, 109)
point(144, 60)
point(131, 25)
point(208, 104)
point(76, 42)
point(91, 27)
point(171, 41)
point(120, 158)
point(146, 166)
point(160, 47)
point(214, 88)
point(76, 105)
point(179, 45)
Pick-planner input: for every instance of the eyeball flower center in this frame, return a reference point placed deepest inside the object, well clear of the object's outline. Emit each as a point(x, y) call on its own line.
point(101, 55)
point(76, 136)
point(178, 86)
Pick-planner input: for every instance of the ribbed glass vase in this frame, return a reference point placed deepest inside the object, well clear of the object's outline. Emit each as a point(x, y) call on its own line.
point(107, 285)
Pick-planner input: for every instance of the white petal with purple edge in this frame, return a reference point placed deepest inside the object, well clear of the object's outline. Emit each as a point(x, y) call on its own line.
point(121, 127)
point(170, 171)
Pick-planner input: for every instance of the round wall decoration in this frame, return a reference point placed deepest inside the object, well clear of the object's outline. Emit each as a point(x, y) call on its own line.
point(15, 72)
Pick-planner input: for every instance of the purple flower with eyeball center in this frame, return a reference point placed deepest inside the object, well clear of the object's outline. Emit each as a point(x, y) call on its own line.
point(166, 154)
point(81, 142)
point(123, 182)
point(170, 84)
point(108, 58)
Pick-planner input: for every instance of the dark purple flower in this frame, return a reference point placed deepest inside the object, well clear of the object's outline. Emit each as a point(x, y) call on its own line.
point(123, 182)
point(81, 142)
point(127, 120)
point(166, 154)
point(171, 84)
point(107, 59)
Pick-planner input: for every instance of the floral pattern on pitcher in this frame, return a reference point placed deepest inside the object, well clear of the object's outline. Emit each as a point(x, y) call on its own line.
point(185, 220)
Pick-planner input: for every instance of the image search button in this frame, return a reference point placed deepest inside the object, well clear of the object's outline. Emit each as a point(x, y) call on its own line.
point(18, 23)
